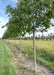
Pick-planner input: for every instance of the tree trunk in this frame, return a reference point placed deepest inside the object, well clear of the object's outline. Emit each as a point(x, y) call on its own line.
point(34, 50)
point(14, 44)
point(20, 47)
point(42, 36)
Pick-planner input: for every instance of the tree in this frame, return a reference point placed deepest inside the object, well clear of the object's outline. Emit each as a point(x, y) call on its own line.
point(38, 14)
point(16, 22)
point(10, 31)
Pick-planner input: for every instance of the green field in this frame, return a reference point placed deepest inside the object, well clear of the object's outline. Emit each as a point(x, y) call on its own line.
point(44, 51)
point(6, 68)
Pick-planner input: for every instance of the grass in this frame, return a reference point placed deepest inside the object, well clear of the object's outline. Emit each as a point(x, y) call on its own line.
point(44, 51)
point(22, 68)
point(21, 62)
point(6, 68)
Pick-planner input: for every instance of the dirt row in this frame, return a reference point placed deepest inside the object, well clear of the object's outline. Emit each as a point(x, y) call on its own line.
point(25, 65)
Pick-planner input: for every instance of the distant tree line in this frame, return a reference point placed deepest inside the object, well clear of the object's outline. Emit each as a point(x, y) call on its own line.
point(42, 37)
point(48, 37)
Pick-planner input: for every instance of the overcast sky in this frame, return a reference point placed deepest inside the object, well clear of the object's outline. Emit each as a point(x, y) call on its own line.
point(4, 18)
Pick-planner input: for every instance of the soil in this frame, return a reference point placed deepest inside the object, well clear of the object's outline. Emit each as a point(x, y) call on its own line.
point(25, 65)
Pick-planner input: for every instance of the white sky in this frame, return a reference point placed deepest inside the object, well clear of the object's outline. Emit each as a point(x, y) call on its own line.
point(2, 22)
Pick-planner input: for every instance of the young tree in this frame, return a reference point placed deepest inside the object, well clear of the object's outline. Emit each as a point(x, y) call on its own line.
point(16, 21)
point(38, 13)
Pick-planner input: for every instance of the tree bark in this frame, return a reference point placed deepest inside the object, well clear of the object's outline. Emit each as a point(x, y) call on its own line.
point(34, 50)
point(42, 36)
point(20, 47)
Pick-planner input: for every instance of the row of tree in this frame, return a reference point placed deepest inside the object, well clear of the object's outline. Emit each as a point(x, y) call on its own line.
point(29, 16)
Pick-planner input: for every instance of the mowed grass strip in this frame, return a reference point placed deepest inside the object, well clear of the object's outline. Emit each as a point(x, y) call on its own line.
point(6, 68)
point(44, 51)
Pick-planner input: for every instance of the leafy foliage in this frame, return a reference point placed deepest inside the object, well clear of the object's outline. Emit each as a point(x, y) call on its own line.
point(29, 15)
